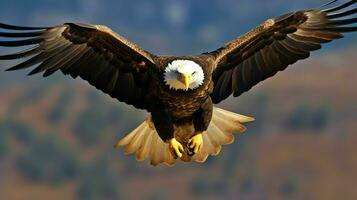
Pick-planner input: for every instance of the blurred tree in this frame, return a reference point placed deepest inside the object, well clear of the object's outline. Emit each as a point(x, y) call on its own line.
point(90, 124)
point(3, 141)
point(205, 185)
point(321, 118)
point(158, 195)
point(97, 181)
point(61, 107)
point(308, 117)
point(49, 160)
point(236, 155)
point(98, 117)
point(29, 96)
point(247, 184)
point(289, 187)
point(18, 130)
point(11, 128)
point(260, 105)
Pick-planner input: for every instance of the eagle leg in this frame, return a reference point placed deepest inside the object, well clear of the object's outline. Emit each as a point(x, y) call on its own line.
point(195, 144)
point(176, 148)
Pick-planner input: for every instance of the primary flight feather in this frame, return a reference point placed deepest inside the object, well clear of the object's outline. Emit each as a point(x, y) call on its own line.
point(178, 91)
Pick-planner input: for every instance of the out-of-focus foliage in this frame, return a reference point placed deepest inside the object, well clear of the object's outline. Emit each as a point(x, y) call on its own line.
point(20, 132)
point(12, 129)
point(90, 127)
point(95, 121)
point(98, 181)
point(49, 160)
point(37, 93)
point(3, 140)
point(307, 117)
point(206, 186)
point(290, 187)
point(61, 107)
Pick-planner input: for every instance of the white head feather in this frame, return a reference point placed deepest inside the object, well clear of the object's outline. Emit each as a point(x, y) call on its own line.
point(178, 67)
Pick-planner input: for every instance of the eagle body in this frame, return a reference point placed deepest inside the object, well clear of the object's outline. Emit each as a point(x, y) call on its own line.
point(179, 92)
point(173, 110)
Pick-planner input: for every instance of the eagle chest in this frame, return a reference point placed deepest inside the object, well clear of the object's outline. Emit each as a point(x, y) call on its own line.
point(181, 104)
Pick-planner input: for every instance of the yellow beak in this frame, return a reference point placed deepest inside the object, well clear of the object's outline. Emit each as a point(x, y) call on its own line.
point(186, 79)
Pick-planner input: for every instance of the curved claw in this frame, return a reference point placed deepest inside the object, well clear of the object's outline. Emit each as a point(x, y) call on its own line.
point(195, 144)
point(190, 153)
point(176, 148)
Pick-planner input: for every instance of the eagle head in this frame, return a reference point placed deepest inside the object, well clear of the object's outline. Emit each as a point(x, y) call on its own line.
point(183, 75)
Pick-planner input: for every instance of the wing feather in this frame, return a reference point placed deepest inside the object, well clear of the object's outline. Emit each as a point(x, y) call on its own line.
point(277, 43)
point(20, 28)
point(93, 52)
point(21, 54)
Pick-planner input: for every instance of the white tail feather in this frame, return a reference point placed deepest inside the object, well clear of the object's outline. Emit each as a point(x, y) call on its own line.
point(147, 144)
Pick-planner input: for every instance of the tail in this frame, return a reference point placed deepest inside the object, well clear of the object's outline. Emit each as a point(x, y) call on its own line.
point(146, 143)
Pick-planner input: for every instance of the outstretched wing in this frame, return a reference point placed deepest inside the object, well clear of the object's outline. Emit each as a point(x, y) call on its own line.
point(276, 44)
point(93, 52)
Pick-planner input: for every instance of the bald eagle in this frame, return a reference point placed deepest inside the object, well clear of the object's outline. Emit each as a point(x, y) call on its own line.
point(178, 91)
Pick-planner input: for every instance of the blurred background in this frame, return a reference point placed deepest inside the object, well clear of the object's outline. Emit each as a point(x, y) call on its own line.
point(56, 134)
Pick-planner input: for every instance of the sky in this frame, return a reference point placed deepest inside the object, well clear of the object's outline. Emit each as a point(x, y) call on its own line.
point(160, 26)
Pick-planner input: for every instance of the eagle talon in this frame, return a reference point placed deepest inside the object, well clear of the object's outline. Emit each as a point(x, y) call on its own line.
point(190, 153)
point(194, 144)
point(176, 148)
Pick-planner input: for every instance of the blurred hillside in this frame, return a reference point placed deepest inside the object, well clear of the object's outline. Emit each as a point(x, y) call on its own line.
point(56, 134)
point(57, 137)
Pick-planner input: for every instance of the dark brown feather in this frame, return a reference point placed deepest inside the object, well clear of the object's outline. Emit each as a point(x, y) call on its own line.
point(93, 52)
point(276, 44)
point(20, 28)
point(26, 34)
point(21, 54)
point(337, 8)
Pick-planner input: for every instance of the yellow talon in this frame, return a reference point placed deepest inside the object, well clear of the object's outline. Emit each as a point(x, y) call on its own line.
point(195, 143)
point(176, 147)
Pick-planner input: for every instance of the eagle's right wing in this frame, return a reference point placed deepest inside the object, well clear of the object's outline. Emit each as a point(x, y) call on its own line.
point(93, 52)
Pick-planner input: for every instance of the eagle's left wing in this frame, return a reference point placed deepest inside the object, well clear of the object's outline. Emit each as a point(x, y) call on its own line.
point(274, 45)
point(95, 53)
